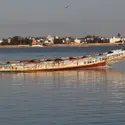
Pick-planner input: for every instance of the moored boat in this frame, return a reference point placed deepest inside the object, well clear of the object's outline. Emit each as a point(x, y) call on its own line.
point(115, 56)
point(54, 64)
point(37, 46)
point(89, 61)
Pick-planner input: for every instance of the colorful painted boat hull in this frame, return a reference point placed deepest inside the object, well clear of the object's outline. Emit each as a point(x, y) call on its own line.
point(90, 61)
point(115, 56)
point(77, 63)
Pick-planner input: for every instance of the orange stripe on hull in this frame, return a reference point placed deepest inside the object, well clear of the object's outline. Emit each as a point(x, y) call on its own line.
point(100, 64)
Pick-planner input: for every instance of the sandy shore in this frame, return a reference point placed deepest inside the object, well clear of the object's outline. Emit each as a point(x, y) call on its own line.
point(63, 45)
point(84, 45)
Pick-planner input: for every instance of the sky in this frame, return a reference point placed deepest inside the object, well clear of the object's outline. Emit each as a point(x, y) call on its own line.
point(42, 17)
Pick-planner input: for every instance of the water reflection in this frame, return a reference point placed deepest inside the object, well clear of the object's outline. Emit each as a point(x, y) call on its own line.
point(65, 97)
point(59, 79)
point(107, 83)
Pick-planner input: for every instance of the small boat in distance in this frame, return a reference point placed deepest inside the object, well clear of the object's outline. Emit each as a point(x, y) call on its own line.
point(37, 46)
point(64, 63)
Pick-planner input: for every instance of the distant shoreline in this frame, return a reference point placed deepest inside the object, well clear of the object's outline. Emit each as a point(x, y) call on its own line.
point(63, 45)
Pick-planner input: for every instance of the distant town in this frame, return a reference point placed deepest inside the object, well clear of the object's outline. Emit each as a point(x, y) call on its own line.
point(54, 40)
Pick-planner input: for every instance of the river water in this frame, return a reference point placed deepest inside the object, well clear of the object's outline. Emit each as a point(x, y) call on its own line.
point(75, 97)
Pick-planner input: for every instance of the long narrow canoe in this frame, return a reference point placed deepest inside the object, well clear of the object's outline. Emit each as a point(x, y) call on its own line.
point(54, 64)
point(90, 61)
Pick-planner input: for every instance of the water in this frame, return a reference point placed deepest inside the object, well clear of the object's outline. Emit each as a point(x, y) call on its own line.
point(75, 97)
point(36, 53)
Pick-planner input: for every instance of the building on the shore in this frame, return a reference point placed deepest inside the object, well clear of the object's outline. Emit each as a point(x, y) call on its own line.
point(1, 41)
point(94, 39)
point(9, 40)
point(67, 40)
point(77, 41)
point(50, 39)
point(116, 39)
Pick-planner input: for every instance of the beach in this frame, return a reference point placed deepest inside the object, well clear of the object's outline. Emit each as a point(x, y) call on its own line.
point(63, 45)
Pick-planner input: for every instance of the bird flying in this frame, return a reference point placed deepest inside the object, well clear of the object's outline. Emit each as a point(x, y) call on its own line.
point(67, 6)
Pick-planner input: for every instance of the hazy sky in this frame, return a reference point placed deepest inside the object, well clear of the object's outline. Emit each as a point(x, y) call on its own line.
point(40, 17)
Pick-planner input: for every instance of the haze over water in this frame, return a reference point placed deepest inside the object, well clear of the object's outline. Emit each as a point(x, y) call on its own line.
point(75, 97)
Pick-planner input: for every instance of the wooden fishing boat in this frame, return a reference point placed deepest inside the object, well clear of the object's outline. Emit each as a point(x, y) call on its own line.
point(115, 56)
point(54, 64)
point(90, 61)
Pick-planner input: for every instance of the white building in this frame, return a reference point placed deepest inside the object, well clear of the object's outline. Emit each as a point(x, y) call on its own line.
point(78, 41)
point(67, 39)
point(115, 39)
point(1, 41)
point(50, 38)
point(46, 41)
point(9, 40)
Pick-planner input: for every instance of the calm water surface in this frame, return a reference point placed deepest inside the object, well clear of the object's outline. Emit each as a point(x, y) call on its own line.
point(75, 97)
